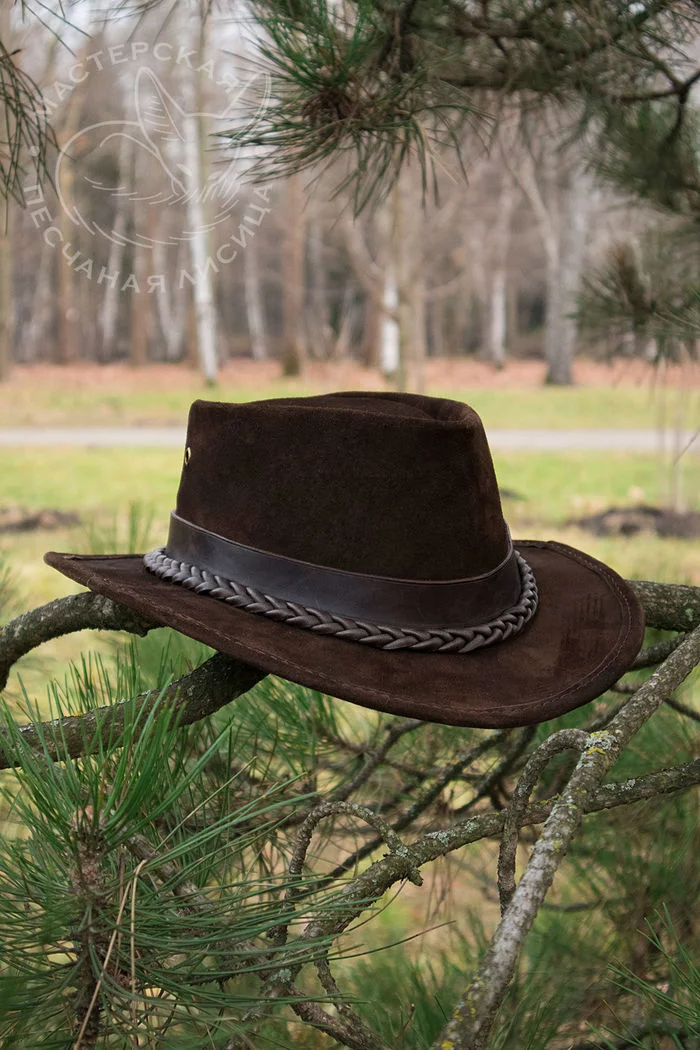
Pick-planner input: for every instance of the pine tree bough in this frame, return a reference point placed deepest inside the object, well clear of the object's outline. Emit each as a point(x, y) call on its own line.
point(564, 740)
point(221, 679)
point(668, 606)
point(473, 1016)
point(200, 693)
point(78, 612)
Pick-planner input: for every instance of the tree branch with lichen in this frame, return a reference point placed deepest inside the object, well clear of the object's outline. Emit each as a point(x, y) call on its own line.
point(473, 1016)
point(215, 683)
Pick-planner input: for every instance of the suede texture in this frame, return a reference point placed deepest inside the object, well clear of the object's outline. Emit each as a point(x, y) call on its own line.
point(393, 485)
point(585, 633)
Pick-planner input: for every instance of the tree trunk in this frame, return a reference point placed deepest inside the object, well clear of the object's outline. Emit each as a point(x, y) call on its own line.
point(498, 318)
point(498, 305)
point(577, 196)
point(5, 300)
point(294, 351)
point(67, 309)
point(193, 133)
point(512, 322)
point(172, 310)
point(553, 334)
point(371, 336)
point(42, 307)
point(419, 335)
point(389, 355)
point(254, 302)
point(321, 340)
point(138, 334)
point(401, 262)
point(552, 195)
point(340, 344)
point(109, 313)
point(406, 253)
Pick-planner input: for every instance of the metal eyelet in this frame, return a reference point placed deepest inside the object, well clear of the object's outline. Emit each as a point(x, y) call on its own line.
point(188, 455)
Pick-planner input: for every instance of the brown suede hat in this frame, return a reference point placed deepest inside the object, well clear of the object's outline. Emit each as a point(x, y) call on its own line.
point(355, 543)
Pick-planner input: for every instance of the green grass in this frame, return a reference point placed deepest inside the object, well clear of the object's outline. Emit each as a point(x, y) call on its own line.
point(25, 404)
point(563, 408)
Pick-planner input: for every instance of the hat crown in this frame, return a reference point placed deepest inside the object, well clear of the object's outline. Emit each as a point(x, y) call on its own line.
point(396, 485)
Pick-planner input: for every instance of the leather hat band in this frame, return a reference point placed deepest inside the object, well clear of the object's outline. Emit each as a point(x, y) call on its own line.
point(416, 604)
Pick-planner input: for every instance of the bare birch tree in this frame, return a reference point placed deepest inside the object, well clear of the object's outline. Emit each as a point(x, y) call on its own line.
point(560, 192)
point(293, 277)
point(254, 300)
point(499, 241)
point(193, 133)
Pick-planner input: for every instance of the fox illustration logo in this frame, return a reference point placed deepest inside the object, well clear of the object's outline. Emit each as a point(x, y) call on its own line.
point(158, 139)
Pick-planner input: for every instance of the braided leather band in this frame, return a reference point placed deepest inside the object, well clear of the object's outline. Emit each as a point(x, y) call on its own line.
point(378, 636)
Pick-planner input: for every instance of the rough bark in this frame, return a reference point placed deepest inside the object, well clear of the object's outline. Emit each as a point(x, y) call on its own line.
point(78, 612)
point(668, 606)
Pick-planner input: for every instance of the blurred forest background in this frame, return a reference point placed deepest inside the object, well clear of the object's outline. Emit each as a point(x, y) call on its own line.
point(148, 242)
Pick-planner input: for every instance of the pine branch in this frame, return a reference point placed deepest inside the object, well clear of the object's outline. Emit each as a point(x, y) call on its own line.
point(384, 81)
point(280, 975)
point(198, 694)
point(351, 1019)
point(78, 612)
point(405, 863)
point(668, 606)
point(23, 127)
point(348, 1030)
point(394, 732)
point(473, 1016)
point(657, 653)
point(368, 887)
point(564, 740)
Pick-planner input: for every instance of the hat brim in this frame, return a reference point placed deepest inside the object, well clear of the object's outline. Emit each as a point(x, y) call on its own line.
point(587, 630)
